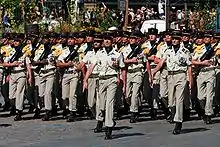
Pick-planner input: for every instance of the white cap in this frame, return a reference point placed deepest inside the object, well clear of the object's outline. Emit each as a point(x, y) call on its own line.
point(112, 28)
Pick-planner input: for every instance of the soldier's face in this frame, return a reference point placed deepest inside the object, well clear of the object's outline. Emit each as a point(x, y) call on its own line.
point(59, 40)
point(185, 38)
point(152, 37)
point(199, 41)
point(168, 38)
point(107, 43)
point(80, 40)
point(89, 39)
point(132, 40)
point(16, 43)
point(97, 45)
point(124, 39)
point(29, 41)
point(176, 41)
point(207, 40)
point(70, 41)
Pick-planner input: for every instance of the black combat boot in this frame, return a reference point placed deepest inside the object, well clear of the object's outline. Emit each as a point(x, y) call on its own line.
point(18, 116)
point(201, 112)
point(71, 117)
point(31, 108)
point(99, 126)
point(186, 114)
point(36, 113)
point(153, 114)
point(108, 133)
point(134, 117)
point(177, 129)
point(173, 112)
point(208, 119)
point(13, 108)
point(47, 116)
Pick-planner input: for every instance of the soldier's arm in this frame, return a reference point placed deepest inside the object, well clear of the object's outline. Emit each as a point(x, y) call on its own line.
point(190, 76)
point(63, 64)
point(131, 61)
point(124, 79)
point(202, 63)
point(158, 67)
point(14, 64)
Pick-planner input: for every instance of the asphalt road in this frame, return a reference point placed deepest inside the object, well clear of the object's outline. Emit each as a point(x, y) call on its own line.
point(58, 133)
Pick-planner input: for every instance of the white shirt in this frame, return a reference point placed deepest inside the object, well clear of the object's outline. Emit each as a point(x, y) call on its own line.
point(105, 62)
point(177, 61)
point(89, 58)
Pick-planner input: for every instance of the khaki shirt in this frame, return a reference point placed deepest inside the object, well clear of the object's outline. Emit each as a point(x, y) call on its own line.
point(64, 53)
point(89, 58)
point(126, 51)
point(161, 50)
point(105, 60)
point(178, 61)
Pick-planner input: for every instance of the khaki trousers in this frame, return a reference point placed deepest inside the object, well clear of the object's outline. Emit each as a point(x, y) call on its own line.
point(217, 87)
point(2, 102)
point(176, 87)
point(46, 87)
point(16, 88)
point(93, 96)
point(69, 85)
point(206, 89)
point(155, 91)
point(133, 87)
point(107, 91)
point(164, 84)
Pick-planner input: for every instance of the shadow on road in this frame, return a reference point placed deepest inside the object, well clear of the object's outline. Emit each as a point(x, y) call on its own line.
point(185, 131)
point(5, 125)
point(122, 128)
point(117, 136)
point(215, 121)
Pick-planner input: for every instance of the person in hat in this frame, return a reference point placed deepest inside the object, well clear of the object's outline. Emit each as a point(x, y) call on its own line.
point(134, 59)
point(18, 65)
point(92, 83)
point(108, 77)
point(162, 47)
point(150, 47)
point(186, 40)
point(5, 48)
point(203, 58)
point(66, 62)
point(178, 61)
point(216, 47)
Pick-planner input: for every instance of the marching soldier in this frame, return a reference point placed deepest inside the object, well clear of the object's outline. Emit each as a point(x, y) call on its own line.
point(150, 48)
point(134, 59)
point(178, 61)
point(17, 63)
point(162, 48)
point(204, 61)
point(67, 62)
point(109, 62)
point(93, 87)
point(217, 70)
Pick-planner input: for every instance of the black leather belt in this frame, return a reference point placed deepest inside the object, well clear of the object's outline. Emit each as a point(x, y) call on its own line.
point(94, 76)
point(176, 72)
point(135, 70)
point(207, 69)
point(18, 71)
point(69, 72)
point(107, 77)
point(47, 71)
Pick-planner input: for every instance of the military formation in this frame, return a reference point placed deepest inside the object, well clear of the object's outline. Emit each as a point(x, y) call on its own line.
point(111, 74)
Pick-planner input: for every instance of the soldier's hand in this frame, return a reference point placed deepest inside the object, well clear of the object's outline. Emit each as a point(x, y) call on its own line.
point(8, 78)
point(151, 81)
point(207, 62)
point(15, 63)
point(135, 59)
point(124, 90)
point(85, 85)
point(118, 81)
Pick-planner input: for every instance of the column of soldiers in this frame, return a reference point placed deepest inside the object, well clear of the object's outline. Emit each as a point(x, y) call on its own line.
point(109, 75)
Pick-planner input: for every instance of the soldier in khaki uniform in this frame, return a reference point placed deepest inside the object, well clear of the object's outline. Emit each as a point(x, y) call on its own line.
point(204, 60)
point(134, 61)
point(162, 47)
point(37, 64)
point(150, 47)
point(47, 75)
point(178, 61)
point(109, 62)
point(93, 85)
point(67, 62)
point(16, 62)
